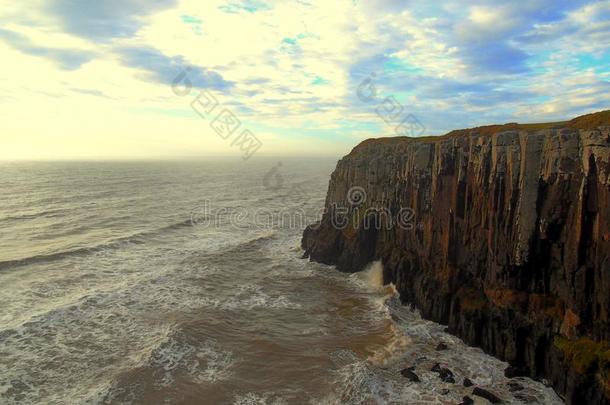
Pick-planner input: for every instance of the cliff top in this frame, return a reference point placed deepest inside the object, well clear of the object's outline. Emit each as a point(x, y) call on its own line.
point(588, 121)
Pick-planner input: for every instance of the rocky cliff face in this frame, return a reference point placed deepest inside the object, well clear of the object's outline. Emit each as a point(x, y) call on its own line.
point(500, 232)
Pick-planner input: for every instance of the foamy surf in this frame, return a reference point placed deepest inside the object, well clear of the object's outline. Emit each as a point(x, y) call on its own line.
point(193, 314)
point(411, 342)
point(371, 277)
point(252, 398)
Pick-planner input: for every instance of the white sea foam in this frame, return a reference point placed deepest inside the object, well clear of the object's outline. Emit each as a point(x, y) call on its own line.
point(204, 362)
point(252, 398)
point(249, 297)
point(371, 276)
point(116, 325)
point(413, 341)
point(86, 322)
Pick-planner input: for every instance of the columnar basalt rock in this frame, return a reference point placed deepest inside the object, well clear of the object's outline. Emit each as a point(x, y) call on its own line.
point(508, 242)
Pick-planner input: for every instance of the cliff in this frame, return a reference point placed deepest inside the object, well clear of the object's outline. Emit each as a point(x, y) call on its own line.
point(500, 232)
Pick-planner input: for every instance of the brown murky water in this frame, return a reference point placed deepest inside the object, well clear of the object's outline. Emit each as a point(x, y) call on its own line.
point(111, 291)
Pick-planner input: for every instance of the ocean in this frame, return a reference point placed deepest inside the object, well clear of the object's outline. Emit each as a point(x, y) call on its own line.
point(183, 282)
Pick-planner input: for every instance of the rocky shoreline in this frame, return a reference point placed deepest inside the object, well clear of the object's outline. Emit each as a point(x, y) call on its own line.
point(500, 232)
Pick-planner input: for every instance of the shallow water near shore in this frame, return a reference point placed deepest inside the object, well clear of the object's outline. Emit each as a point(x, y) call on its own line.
point(183, 283)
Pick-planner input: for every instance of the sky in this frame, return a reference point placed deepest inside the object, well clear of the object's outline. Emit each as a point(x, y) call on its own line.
point(184, 78)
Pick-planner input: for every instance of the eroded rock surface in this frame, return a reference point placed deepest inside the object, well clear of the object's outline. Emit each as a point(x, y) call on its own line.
point(502, 233)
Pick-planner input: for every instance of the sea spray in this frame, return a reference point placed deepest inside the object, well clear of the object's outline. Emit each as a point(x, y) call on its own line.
point(372, 275)
point(371, 278)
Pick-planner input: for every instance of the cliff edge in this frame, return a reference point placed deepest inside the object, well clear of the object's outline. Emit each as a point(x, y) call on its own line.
point(500, 232)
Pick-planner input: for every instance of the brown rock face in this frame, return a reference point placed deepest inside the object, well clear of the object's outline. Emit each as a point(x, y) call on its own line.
point(500, 232)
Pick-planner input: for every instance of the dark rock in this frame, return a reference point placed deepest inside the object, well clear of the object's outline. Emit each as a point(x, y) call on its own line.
point(408, 373)
point(466, 401)
point(446, 375)
point(442, 346)
point(467, 382)
point(502, 233)
point(512, 372)
point(480, 392)
point(526, 399)
point(515, 386)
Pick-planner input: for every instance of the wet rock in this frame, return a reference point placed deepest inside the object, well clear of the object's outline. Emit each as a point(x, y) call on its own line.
point(409, 374)
point(468, 382)
point(442, 346)
point(466, 400)
point(483, 393)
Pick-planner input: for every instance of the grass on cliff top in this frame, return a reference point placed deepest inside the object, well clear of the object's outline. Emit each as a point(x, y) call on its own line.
point(589, 121)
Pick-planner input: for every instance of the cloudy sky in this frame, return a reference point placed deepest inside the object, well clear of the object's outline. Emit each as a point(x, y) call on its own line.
point(119, 78)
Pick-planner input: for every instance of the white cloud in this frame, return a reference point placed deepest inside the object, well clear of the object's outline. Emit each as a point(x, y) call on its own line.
point(293, 68)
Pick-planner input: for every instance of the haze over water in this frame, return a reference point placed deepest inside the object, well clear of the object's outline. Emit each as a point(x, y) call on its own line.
point(149, 282)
